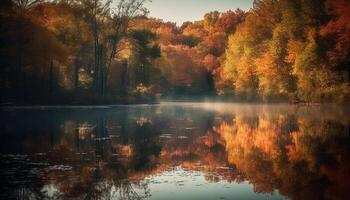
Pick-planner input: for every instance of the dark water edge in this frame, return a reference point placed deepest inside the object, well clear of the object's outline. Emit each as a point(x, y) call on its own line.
point(175, 150)
point(89, 103)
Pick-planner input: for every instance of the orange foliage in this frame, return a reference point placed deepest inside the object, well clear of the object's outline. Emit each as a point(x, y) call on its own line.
point(229, 20)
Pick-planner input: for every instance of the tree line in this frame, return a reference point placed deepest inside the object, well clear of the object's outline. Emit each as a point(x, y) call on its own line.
point(94, 51)
point(64, 51)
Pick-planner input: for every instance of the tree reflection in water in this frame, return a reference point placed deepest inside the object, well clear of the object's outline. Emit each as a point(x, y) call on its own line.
point(302, 152)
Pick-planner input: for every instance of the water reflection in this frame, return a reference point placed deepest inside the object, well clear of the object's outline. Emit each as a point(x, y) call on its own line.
point(188, 151)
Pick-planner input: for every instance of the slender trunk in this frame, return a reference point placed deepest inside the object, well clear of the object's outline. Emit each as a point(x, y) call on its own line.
point(104, 69)
point(111, 56)
point(76, 72)
point(99, 70)
point(124, 79)
point(103, 74)
point(50, 82)
point(96, 67)
point(109, 63)
point(104, 82)
point(96, 47)
point(114, 44)
point(120, 29)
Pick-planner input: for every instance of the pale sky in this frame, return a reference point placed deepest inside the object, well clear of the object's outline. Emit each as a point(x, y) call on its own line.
point(180, 11)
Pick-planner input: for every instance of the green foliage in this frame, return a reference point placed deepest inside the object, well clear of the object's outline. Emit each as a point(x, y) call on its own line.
point(145, 51)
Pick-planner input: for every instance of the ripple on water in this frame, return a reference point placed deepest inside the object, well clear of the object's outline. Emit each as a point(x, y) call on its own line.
point(60, 168)
point(167, 136)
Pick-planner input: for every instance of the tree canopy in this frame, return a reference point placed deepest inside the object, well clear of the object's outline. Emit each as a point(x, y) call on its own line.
point(93, 51)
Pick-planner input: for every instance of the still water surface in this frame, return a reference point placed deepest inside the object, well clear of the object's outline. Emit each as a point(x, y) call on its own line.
point(175, 151)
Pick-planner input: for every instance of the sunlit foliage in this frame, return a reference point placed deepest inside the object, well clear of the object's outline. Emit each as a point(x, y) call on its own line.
point(285, 49)
point(94, 51)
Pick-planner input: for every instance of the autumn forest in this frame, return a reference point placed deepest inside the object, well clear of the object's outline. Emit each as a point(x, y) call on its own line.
point(175, 100)
point(104, 52)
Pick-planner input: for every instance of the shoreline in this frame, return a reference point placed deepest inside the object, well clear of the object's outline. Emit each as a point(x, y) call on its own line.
point(159, 103)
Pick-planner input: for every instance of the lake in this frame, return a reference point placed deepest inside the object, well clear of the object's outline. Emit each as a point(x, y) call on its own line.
point(176, 151)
